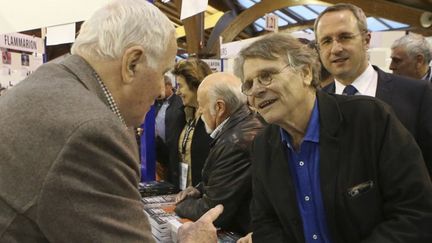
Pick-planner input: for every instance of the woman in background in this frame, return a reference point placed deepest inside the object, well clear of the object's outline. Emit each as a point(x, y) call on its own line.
point(189, 143)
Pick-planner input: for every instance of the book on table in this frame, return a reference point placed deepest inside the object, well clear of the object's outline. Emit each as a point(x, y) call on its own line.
point(165, 223)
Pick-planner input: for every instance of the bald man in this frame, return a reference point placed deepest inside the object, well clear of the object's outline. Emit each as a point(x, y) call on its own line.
point(226, 177)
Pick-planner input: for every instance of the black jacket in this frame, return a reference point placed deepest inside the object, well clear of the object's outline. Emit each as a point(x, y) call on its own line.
point(361, 141)
point(174, 113)
point(199, 149)
point(411, 101)
point(226, 175)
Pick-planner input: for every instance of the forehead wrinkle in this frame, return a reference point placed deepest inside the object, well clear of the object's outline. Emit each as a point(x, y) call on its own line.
point(263, 70)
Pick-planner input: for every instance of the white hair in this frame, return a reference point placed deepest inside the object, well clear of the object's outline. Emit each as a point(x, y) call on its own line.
point(414, 44)
point(230, 93)
point(122, 24)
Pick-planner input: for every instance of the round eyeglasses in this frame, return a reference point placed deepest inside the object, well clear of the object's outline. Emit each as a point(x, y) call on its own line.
point(264, 78)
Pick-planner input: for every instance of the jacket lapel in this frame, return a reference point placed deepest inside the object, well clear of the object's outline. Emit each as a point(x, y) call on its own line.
point(384, 86)
point(280, 177)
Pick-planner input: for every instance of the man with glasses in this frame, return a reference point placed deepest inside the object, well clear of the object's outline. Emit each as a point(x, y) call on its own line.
point(342, 41)
point(328, 168)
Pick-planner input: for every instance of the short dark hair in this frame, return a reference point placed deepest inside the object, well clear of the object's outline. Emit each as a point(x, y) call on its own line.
point(356, 11)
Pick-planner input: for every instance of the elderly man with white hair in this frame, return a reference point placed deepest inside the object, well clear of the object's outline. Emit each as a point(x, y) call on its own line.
point(411, 55)
point(69, 168)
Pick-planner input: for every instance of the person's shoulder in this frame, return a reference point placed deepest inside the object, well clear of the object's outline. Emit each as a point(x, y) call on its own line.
point(267, 133)
point(402, 83)
point(242, 133)
point(356, 105)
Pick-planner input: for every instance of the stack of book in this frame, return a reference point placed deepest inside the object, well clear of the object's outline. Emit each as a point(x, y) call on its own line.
point(160, 211)
point(165, 223)
point(155, 188)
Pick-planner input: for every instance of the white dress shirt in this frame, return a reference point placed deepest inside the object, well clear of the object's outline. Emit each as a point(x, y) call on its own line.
point(366, 83)
point(218, 129)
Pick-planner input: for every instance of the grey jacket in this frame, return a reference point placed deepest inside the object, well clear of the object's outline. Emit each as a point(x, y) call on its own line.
point(68, 167)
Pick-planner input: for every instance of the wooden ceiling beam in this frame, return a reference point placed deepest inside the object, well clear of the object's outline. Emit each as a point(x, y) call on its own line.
point(297, 27)
point(388, 10)
point(168, 10)
point(248, 16)
point(194, 30)
point(209, 22)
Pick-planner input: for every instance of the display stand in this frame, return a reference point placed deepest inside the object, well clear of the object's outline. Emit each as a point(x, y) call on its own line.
point(21, 55)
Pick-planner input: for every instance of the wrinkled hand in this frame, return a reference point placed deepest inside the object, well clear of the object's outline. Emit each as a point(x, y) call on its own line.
point(201, 231)
point(246, 239)
point(188, 192)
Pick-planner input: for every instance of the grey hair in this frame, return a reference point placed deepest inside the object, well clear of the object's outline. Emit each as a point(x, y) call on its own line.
point(356, 11)
point(122, 24)
point(414, 44)
point(230, 93)
point(289, 48)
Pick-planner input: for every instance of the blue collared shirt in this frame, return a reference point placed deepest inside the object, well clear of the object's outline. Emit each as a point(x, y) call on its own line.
point(304, 167)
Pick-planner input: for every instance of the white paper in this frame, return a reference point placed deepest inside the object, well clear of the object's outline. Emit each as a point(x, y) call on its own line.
point(184, 169)
point(192, 7)
point(60, 34)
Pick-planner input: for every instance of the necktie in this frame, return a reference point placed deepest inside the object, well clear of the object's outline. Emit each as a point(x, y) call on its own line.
point(349, 90)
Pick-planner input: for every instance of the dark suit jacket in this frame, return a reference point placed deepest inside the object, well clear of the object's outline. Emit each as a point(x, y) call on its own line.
point(69, 168)
point(362, 145)
point(173, 114)
point(199, 149)
point(411, 101)
point(226, 175)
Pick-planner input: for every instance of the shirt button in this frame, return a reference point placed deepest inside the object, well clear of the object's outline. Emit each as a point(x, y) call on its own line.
point(301, 163)
point(307, 198)
point(315, 237)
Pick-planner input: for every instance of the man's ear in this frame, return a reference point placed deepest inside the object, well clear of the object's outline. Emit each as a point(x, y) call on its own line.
point(306, 72)
point(420, 60)
point(132, 57)
point(367, 39)
point(221, 109)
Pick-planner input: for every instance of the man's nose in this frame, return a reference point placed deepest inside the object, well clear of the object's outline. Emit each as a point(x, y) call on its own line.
point(336, 46)
point(257, 89)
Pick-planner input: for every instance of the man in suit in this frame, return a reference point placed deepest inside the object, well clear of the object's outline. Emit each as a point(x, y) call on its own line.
point(328, 168)
point(342, 41)
point(169, 110)
point(411, 55)
point(226, 174)
point(69, 168)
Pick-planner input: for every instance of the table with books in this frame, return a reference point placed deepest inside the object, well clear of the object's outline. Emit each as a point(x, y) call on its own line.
point(165, 223)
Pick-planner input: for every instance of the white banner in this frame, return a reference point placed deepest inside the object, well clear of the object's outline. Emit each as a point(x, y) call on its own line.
point(20, 15)
point(192, 7)
point(216, 65)
point(21, 42)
